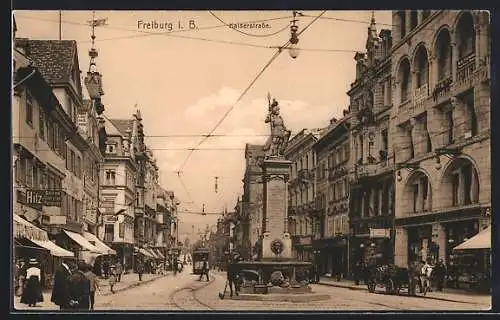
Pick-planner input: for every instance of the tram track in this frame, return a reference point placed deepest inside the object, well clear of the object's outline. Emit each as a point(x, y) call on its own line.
point(185, 298)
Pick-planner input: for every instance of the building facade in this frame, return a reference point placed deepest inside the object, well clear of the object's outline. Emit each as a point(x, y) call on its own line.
point(441, 114)
point(251, 207)
point(88, 128)
point(301, 192)
point(331, 240)
point(118, 177)
point(371, 201)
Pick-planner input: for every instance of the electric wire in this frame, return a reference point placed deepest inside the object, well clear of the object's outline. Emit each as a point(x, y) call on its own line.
point(149, 33)
point(275, 55)
point(249, 34)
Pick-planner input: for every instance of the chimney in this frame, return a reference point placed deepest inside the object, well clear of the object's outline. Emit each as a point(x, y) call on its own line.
point(333, 120)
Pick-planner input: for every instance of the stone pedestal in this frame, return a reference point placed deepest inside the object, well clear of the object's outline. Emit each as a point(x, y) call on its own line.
point(276, 243)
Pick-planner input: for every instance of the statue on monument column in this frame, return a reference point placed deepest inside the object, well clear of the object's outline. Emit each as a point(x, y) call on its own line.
point(277, 142)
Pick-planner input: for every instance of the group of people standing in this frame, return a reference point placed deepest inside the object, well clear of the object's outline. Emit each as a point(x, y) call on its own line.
point(75, 286)
point(425, 275)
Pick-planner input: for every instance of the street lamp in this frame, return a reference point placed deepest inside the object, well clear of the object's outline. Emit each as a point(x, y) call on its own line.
point(294, 39)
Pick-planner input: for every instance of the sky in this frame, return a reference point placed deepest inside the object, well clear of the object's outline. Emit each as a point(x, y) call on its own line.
point(184, 86)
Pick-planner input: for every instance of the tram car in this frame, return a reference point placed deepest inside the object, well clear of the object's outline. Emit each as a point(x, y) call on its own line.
point(199, 255)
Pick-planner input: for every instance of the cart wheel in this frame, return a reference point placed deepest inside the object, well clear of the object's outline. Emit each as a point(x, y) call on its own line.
point(371, 286)
point(389, 286)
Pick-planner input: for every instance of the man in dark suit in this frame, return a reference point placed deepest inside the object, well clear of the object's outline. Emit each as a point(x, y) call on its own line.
point(60, 291)
point(79, 289)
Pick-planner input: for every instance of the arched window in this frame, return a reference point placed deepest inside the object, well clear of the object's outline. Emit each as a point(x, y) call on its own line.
point(443, 53)
point(460, 183)
point(417, 193)
point(422, 67)
point(466, 35)
point(405, 80)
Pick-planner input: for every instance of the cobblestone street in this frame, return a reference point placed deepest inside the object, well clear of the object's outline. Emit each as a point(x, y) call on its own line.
point(184, 292)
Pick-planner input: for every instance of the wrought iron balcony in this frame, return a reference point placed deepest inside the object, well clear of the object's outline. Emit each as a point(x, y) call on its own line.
point(466, 67)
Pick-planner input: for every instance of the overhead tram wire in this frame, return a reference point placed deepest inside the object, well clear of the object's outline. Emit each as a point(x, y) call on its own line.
point(250, 34)
point(170, 34)
point(275, 55)
point(150, 33)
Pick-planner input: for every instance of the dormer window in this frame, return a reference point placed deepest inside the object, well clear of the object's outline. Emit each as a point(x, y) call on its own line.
point(111, 148)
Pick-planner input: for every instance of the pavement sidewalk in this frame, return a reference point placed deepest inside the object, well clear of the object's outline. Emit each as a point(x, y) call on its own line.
point(447, 294)
point(128, 281)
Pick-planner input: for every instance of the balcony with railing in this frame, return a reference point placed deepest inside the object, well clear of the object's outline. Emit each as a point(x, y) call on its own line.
point(469, 74)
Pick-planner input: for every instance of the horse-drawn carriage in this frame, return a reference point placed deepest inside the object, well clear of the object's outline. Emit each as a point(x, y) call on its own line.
point(391, 277)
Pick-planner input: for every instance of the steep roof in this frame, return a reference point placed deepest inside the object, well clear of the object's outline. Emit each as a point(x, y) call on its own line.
point(122, 125)
point(54, 58)
point(111, 129)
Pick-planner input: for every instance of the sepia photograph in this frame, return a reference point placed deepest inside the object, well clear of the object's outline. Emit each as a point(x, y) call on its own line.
point(219, 160)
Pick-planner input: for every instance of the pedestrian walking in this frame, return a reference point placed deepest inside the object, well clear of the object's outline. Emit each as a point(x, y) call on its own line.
point(414, 270)
point(365, 270)
point(79, 288)
point(232, 278)
point(140, 270)
point(118, 271)
point(204, 270)
point(21, 277)
point(112, 278)
point(439, 274)
point(105, 268)
point(426, 273)
point(60, 290)
point(94, 285)
point(357, 272)
point(33, 291)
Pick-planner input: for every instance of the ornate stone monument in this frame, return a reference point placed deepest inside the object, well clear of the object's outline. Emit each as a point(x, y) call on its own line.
point(276, 242)
point(276, 267)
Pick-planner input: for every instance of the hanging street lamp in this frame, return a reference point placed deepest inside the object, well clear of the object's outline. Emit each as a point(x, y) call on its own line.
point(294, 39)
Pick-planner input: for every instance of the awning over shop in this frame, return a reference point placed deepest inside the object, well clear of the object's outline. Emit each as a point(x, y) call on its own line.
point(153, 253)
point(482, 240)
point(25, 229)
point(54, 249)
point(98, 243)
point(144, 252)
point(87, 246)
point(159, 254)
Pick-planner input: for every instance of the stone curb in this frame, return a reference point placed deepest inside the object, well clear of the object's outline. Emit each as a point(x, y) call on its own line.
point(132, 285)
point(416, 296)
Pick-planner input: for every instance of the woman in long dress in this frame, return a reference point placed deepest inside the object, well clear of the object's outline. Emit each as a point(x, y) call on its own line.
point(33, 291)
